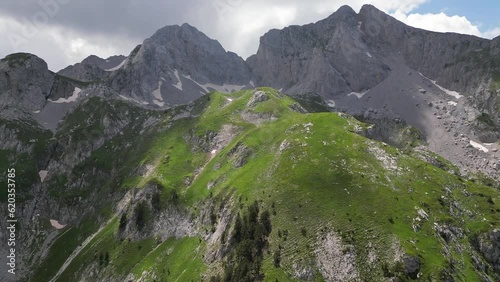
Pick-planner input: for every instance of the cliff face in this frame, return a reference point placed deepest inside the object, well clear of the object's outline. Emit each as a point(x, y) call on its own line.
point(351, 52)
point(330, 57)
point(27, 84)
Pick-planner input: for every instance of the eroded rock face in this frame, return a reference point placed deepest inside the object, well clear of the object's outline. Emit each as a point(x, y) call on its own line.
point(335, 260)
point(489, 247)
point(25, 82)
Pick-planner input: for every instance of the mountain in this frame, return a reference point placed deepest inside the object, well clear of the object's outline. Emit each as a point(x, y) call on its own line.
point(384, 72)
point(176, 65)
point(92, 68)
point(31, 92)
point(377, 160)
point(346, 45)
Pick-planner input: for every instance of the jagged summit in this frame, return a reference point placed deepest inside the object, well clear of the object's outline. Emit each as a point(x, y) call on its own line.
point(176, 65)
point(370, 9)
point(344, 13)
point(171, 32)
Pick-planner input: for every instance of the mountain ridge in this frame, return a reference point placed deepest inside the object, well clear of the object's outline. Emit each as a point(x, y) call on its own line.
point(369, 161)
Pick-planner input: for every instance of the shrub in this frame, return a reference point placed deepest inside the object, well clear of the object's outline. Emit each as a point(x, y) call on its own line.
point(123, 222)
point(303, 231)
point(277, 258)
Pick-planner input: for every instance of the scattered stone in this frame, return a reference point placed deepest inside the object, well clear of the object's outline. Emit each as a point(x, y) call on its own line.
point(423, 214)
point(258, 97)
point(43, 175)
point(412, 266)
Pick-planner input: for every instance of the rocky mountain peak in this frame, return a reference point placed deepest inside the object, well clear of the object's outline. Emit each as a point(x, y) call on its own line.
point(369, 9)
point(27, 85)
point(92, 59)
point(177, 65)
point(24, 61)
point(175, 32)
point(344, 13)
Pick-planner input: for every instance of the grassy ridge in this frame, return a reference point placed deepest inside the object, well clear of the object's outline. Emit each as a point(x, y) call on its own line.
point(317, 176)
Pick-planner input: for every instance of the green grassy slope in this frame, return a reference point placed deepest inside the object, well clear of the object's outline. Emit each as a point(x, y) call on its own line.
point(323, 184)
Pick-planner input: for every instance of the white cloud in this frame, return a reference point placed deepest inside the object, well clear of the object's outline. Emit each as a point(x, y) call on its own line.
point(492, 33)
point(59, 47)
point(444, 23)
point(439, 22)
point(238, 29)
point(396, 5)
point(237, 24)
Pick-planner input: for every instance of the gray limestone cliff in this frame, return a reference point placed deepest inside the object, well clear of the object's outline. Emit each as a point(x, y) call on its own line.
point(27, 85)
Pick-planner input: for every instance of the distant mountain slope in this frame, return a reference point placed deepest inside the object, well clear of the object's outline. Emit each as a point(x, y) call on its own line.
point(92, 68)
point(354, 51)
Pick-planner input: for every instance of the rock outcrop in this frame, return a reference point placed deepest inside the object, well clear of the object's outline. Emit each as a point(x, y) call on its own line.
point(92, 68)
point(26, 85)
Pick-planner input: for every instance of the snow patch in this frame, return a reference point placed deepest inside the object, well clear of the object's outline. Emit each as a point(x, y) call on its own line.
point(178, 85)
point(118, 66)
point(479, 146)
point(331, 103)
point(158, 99)
point(71, 99)
point(36, 112)
point(447, 91)
point(43, 175)
point(133, 100)
point(369, 55)
point(359, 95)
point(56, 224)
point(252, 83)
point(451, 103)
point(225, 88)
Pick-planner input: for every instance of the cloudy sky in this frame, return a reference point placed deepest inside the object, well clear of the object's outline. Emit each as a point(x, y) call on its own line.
point(64, 32)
